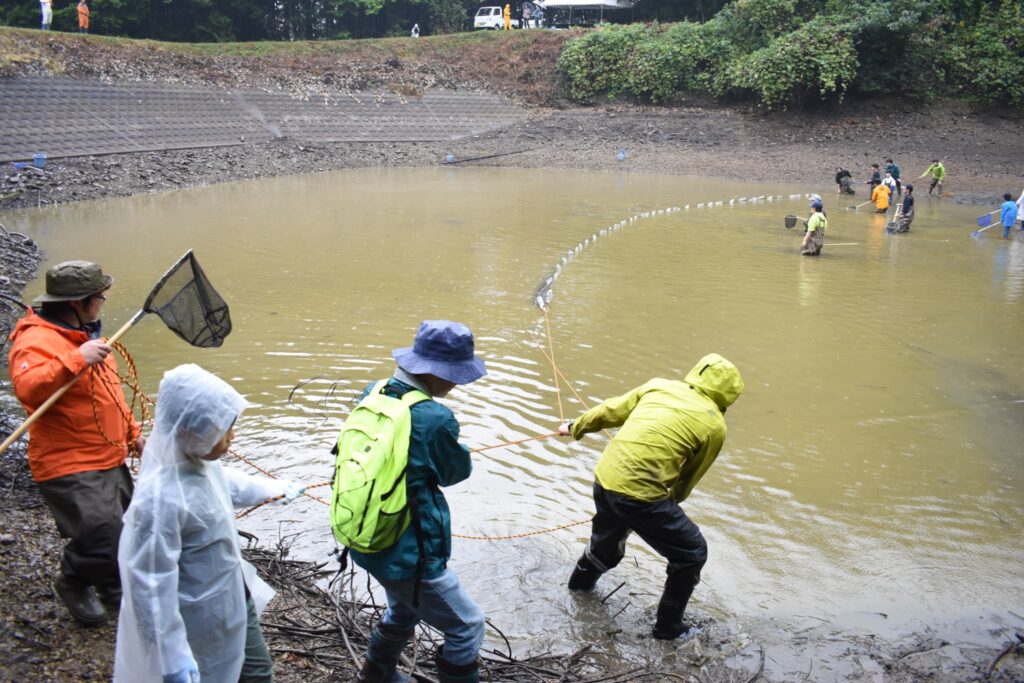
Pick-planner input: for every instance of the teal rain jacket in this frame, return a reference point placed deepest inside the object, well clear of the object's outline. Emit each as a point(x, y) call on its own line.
point(436, 459)
point(671, 431)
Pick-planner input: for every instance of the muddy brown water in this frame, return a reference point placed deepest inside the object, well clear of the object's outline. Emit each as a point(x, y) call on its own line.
point(872, 476)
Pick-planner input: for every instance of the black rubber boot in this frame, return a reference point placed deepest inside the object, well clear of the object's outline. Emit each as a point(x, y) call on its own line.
point(669, 624)
point(455, 673)
point(110, 594)
point(382, 656)
point(584, 577)
point(81, 601)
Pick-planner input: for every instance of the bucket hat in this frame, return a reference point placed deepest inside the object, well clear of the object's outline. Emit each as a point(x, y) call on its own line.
point(73, 280)
point(444, 349)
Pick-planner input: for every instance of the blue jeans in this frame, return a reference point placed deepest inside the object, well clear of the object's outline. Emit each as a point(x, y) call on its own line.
point(444, 605)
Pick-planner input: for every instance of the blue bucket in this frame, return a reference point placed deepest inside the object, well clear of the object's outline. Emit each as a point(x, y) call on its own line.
point(39, 159)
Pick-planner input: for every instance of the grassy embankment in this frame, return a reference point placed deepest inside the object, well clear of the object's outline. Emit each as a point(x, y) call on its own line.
point(520, 63)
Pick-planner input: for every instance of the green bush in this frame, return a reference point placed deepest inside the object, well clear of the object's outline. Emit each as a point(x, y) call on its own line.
point(786, 52)
point(813, 62)
point(755, 23)
point(597, 62)
point(990, 63)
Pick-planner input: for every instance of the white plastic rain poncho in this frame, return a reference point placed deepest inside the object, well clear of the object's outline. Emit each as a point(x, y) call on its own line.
point(181, 566)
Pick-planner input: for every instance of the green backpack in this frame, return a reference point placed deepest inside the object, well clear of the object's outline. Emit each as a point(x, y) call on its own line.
point(369, 509)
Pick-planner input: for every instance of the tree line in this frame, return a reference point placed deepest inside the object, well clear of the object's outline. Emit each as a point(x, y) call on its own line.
point(777, 52)
point(253, 20)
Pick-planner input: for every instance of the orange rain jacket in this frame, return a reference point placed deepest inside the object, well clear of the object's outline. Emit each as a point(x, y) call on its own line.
point(83, 15)
point(66, 439)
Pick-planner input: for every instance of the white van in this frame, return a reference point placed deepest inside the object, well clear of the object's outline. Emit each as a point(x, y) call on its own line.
point(491, 18)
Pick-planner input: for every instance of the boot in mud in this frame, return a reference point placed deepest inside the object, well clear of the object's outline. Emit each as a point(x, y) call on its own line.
point(584, 577)
point(669, 624)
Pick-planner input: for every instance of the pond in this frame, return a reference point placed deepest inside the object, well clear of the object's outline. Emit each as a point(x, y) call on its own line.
point(873, 464)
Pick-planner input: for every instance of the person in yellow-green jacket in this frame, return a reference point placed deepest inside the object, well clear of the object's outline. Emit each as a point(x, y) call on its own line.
point(671, 432)
point(814, 234)
point(937, 171)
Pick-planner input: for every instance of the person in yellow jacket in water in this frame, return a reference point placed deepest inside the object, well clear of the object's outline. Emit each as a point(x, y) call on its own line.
point(507, 15)
point(671, 432)
point(880, 196)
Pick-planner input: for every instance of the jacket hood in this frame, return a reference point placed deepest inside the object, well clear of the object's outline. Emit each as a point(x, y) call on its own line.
point(716, 378)
point(33, 319)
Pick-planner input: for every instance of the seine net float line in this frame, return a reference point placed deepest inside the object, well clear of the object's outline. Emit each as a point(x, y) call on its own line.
point(542, 297)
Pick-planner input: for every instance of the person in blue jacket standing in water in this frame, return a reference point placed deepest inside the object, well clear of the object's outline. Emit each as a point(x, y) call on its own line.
point(1008, 213)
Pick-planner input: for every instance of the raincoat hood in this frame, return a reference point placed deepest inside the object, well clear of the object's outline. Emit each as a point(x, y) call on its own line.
point(716, 378)
point(195, 409)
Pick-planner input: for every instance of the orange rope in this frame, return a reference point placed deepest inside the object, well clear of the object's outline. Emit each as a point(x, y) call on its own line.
point(554, 367)
point(263, 471)
point(565, 379)
point(524, 534)
point(514, 443)
point(138, 397)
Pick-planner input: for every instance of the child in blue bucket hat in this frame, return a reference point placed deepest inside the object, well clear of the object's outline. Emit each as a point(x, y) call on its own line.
point(414, 572)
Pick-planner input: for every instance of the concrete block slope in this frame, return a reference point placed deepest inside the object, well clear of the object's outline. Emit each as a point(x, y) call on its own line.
point(66, 117)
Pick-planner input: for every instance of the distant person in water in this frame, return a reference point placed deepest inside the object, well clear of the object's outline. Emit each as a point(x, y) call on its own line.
point(844, 181)
point(938, 173)
point(880, 196)
point(905, 211)
point(876, 177)
point(892, 168)
point(1008, 213)
point(1020, 211)
point(814, 235)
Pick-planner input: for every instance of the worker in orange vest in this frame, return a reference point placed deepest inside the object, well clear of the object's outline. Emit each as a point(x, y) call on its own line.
point(508, 17)
point(83, 17)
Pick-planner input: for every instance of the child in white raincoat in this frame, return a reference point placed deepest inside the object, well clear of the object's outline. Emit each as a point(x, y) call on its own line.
point(190, 605)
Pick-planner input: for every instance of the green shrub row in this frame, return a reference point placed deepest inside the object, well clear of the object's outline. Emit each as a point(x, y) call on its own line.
point(782, 53)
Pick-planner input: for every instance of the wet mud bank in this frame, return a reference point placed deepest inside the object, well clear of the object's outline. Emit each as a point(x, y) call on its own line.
point(981, 152)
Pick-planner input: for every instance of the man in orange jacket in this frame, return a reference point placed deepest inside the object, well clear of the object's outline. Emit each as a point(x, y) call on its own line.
point(77, 449)
point(83, 17)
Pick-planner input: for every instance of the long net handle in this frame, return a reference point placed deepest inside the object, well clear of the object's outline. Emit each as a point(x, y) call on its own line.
point(49, 403)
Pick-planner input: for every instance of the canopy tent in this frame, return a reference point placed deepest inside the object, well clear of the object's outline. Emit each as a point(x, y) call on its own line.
point(585, 4)
point(552, 6)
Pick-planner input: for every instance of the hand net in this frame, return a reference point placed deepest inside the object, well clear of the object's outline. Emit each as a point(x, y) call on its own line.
point(189, 305)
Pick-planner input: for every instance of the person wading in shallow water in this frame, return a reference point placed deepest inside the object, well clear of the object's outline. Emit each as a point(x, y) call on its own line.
point(77, 449)
point(671, 432)
point(905, 211)
point(814, 235)
point(844, 181)
point(938, 173)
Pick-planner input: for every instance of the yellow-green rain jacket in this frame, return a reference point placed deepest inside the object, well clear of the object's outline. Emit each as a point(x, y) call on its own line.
point(671, 431)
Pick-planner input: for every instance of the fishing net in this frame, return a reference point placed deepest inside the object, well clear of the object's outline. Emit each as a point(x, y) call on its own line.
point(189, 305)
